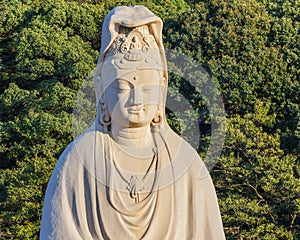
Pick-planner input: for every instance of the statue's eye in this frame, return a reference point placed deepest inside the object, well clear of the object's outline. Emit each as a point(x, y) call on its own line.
point(150, 88)
point(122, 88)
point(147, 89)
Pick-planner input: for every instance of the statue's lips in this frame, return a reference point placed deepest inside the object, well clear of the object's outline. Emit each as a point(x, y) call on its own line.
point(136, 110)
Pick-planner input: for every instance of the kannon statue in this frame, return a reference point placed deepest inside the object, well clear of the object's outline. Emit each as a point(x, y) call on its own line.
point(129, 176)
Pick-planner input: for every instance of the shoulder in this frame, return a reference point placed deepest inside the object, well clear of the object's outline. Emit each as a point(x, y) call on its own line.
point(185, 159)
point(178, 147)
point(85, 144)
point(78, 152)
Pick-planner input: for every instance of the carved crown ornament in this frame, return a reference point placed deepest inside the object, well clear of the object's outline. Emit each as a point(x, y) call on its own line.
point(133, 48)
point(135, 44)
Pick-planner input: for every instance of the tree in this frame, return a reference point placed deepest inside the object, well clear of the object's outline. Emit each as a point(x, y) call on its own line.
point(254, 62)
point(259, 185)
point(45, 61)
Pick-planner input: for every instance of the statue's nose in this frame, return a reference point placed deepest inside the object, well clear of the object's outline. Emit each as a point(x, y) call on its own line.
point(137, 96)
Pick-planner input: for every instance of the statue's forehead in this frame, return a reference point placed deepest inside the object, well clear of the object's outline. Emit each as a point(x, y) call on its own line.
point(144, 76)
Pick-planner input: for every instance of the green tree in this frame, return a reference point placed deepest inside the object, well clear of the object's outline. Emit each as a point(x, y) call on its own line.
point(251, 50)
point(48, 50)
point(259, 185)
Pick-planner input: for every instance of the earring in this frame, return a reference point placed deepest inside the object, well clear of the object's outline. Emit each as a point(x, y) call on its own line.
point(156, 122)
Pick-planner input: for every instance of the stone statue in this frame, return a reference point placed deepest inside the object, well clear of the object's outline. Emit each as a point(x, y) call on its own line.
point(129, 176)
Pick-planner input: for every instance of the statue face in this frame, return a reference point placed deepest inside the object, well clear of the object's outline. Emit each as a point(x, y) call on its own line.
point(133, 99)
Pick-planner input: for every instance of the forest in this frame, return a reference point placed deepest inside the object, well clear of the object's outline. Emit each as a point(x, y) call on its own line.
point(249, 48)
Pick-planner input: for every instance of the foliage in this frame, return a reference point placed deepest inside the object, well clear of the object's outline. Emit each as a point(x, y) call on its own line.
point(47, 52)
point(251, 51)
point(259, 185)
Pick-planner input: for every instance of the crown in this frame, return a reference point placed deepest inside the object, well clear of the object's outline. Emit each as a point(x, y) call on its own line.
point(133, 48)
point(134, 44)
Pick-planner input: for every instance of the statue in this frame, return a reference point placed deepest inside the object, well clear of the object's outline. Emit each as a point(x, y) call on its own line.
point(129, 176)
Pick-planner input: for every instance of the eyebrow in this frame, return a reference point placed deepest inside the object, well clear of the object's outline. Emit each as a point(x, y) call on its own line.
point(132, 83)
point(118, 83)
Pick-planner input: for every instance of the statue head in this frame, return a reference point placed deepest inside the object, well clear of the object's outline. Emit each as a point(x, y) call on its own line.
point(131, 71)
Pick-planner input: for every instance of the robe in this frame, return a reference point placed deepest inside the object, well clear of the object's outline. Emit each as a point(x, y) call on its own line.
point(85, 200)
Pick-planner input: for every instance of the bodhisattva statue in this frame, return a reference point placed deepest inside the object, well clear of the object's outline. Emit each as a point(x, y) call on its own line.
point(129, 176)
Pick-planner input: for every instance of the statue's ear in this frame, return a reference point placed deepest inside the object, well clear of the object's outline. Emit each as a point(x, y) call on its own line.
point(104, 117)
point(98, 83)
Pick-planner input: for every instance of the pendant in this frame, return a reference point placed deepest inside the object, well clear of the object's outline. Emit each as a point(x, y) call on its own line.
point(135, 186)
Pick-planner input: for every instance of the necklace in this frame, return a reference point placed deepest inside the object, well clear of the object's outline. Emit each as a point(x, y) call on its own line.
point(136, 185)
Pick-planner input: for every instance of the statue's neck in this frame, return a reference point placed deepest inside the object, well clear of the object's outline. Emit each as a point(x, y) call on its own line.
point(139, 136)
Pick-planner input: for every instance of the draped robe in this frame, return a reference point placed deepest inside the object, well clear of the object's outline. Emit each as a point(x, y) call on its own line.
point(82, 201)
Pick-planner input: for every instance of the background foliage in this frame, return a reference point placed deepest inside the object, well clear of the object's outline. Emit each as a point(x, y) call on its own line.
point(250, 48)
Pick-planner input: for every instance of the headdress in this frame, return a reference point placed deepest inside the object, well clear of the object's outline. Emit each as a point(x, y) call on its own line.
point(131, 40)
